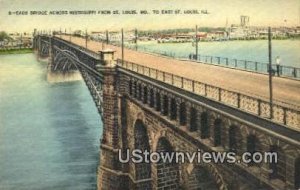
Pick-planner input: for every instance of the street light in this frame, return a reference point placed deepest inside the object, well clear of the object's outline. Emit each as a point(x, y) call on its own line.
point(136, 38)
point(270, 73)
point(122, 47)
point(70, 34)
point(278, 65)
point(196, 42)
point(107, 37)
point(86, 36)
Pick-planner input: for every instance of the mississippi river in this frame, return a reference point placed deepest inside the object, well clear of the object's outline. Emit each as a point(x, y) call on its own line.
point(49, 133)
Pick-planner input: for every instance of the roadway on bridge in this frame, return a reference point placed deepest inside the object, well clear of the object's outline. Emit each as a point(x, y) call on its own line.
point(285, 91)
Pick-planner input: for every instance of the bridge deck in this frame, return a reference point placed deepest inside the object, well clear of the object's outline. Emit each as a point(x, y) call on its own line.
point(286, 91)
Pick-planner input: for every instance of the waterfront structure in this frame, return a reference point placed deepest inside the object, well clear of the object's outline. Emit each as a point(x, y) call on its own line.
point(17, 40)
point(148, 108)
point(245, 21)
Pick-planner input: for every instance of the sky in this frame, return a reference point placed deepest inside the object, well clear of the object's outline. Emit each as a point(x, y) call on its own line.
point(261, 13)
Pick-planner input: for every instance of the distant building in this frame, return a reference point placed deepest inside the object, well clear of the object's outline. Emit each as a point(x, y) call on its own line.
point(245, 21)
point(202, 35)
point(237, 32)
point(217, 35)
point(78, 33)
point(17, 40)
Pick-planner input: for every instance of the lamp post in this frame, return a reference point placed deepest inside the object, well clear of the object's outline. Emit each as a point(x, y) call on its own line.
point(196, 38)
point(86, 38)
point(285, 27)
point(122, 46)
point(270, 73)
point(278, 70)
point(136, 38)
point(102, 42)
point(21, 41)
point(107, 39)
point(70, 34)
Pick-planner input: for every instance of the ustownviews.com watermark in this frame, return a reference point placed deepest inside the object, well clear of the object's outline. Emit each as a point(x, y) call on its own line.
point(145, 156)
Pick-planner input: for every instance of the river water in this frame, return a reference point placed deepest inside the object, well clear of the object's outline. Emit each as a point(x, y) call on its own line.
point(257, 50)
point(49, 133)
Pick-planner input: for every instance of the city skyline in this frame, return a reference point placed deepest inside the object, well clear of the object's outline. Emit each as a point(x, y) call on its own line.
point(262, 13)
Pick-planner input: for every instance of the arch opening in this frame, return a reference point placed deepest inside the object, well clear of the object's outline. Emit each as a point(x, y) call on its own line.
point(166, 105)
point(183, 114)
point(232, 138)
point(193, 120)
point(218, 132)
point(297, 173)
point(139, 91)
point(167, 172)
point(278, 169)
point(130, 87)
point(158, 103)
point(151, 98)
point(201, 179)
point(145, 98)
point(173, 114)
point(64, 60)
point(251, 148)
point(141, 142)
point(204, 127)
point(135, 89)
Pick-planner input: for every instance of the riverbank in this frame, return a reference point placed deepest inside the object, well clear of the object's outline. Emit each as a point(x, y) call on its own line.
point(221, 40)
point(16, 51)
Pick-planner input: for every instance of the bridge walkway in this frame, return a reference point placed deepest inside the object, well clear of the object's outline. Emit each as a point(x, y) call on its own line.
point(286, 91)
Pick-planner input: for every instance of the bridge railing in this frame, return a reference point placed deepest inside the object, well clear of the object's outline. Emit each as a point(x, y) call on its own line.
point(87, 51)
point(159, 52)
point(247, 65)
point(281, 114)
point(255, 66)
point(149, 50)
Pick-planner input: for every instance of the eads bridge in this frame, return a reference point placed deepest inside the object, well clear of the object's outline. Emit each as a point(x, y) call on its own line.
point(155, 103)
